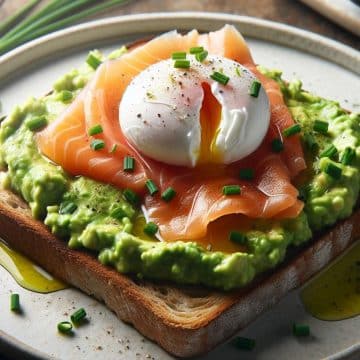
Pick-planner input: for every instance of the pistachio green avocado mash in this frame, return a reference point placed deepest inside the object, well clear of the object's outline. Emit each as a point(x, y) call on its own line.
point(95, 216)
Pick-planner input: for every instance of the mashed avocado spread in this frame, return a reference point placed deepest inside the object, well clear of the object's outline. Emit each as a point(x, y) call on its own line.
point(95, 216)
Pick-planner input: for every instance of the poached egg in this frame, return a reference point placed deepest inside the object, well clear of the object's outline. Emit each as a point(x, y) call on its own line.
point(182, 116)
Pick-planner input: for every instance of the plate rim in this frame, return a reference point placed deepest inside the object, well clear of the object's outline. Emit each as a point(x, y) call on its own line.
point(110, 28)
point(90, 32)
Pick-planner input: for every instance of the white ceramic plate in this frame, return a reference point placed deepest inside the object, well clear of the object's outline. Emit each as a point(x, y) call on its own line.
point(344, 12)
point(326, 68)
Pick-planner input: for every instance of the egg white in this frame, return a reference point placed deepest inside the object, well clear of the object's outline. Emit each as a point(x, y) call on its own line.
point(159, 112)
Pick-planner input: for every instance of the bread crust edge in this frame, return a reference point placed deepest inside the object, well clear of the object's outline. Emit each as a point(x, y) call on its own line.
point(138, 304)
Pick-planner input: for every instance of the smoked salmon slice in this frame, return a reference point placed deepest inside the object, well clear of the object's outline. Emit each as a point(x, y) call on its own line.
point(199, 200)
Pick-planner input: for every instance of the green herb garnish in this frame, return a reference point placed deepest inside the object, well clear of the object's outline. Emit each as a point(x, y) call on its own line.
point(329, 152)
point(196, 50)
point(321, 127)
point(348, 156)
point(65, 327)
point(255, 88)
point(201, 56)
point(118, 213)
point(333, 170)
point(182, 64)
point(53, 16)
point(78, 316)
point(113, 148)
point(150, 228)
point(15, 302)
point(67, 208)
point(231, 190)
point(129, 163)
point(97, 144)
point(96, 129)
point(93, 61)
point(13, 19)
point(292, 130)
point(277, 145)
point(151, 186)
point(178, 55)
point(131, 196)
point(238, 237)
point(301, 329)
point(220, 77)
point(168, 194)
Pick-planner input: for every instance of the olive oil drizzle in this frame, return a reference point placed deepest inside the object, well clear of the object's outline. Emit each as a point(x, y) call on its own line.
point(335, 293)
point(26, 273)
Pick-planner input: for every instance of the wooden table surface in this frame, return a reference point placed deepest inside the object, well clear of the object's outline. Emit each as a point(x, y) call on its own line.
point(291, 12)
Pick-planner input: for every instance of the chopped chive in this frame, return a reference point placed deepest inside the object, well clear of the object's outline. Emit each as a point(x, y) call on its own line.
point(118, 213)
point(113, 148)
point(277, 145)
point(238, 237)
point(292, 130)
point(151, 186)
point(310, 142)
point(67, 208)
point(348, 156)
point(247, 174)
point(168, 194)
point(65, 327)
point(329, 152)
point(93, 61)
point(301, 329)
point(97, 144)
point(333, 170)
point(151, 228)
point(131, 196)
point(178, 55)
point(182, 64)
point(129, 163)
point(66, 96)
point(196, 50)
point(78, 316)
point(96, 129)
point(243, 343)
point(255, 88)
point(321, 127)
point(220, 78)
point(231, 190)
point(36, 123)
point(201, 56)
point(238, 71)
point(15, 302)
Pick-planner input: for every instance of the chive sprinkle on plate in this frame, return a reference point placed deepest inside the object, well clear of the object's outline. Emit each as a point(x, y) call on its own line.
point(78, 316)
point(55, 15)
point(15, 302)
point(65, 327)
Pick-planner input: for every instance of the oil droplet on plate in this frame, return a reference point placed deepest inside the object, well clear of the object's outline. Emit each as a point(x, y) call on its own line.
point(335, 293)
point(26, 273)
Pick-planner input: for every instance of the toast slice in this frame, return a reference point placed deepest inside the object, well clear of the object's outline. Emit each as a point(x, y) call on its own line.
point(194, 319)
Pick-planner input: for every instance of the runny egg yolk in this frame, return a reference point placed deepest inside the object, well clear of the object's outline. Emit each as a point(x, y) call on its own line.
point(210, 117)
point(185, 117)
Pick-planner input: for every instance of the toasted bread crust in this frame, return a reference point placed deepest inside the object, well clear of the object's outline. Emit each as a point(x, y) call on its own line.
point(193, 319)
